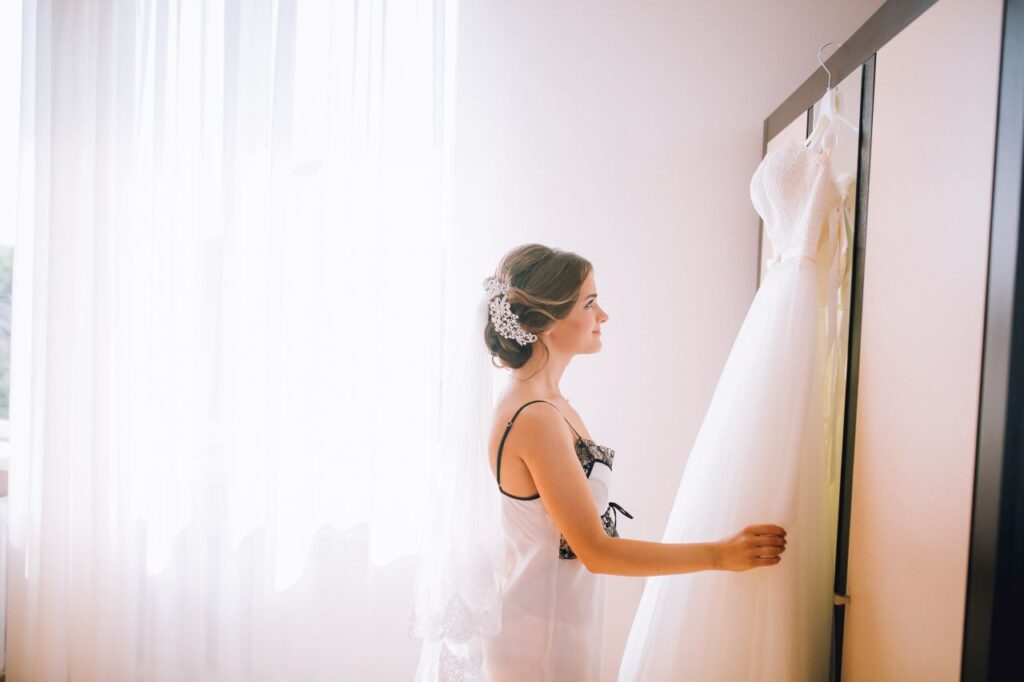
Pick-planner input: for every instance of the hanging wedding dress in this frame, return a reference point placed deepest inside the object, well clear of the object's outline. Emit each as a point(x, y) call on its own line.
point(766, 451)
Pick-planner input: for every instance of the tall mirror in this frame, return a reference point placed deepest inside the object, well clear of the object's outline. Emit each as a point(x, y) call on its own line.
point(927, 221)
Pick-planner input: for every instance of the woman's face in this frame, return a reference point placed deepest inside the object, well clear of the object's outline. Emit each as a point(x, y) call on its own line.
point(579, 332)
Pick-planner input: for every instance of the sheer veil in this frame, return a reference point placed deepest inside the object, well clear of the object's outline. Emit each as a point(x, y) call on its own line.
point(457, 599)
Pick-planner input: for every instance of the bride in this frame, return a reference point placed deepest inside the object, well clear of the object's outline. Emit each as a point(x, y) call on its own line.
point(516, 588)
point(554, 479)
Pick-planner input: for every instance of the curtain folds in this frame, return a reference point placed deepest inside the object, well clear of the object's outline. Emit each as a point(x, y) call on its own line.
point(230, 255)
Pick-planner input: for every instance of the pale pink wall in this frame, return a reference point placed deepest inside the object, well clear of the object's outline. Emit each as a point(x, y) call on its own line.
point(924, 288)
point(628, 132)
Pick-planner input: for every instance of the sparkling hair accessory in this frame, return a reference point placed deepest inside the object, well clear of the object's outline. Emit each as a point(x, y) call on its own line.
point(502, 317)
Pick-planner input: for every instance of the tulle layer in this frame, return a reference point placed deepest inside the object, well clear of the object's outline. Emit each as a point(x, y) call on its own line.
point(759, 457)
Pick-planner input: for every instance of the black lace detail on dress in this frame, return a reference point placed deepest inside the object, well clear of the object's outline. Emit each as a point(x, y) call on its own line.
point(589, 452)
point(609, 520)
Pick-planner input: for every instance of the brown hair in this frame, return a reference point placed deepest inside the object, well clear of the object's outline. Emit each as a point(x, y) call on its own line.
point(543, 285)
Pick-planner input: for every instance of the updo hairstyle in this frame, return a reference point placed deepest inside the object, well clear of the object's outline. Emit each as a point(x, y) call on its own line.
point(543, 285)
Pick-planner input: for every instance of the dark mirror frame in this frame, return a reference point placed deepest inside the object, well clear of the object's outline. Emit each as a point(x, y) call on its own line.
point(993, 633)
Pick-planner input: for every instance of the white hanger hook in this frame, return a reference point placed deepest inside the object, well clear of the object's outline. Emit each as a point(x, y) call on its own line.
point(829, 84)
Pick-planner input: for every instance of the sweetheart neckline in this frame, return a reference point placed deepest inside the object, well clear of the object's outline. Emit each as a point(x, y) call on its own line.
point(803, 144)
point(818, 156)
point(793, 140)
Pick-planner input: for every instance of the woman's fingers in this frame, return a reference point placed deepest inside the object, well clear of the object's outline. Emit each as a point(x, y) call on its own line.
point(764, 551)
point(768, 540)
point(766, 529)
point(764, 541)
point(770, 551)
point(756, 545)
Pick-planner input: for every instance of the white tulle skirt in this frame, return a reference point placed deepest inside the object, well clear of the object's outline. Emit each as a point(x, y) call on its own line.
point(761, 456)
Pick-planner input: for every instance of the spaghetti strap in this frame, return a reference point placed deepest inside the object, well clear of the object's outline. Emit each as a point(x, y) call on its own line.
point(501, 445)
point(560, 414)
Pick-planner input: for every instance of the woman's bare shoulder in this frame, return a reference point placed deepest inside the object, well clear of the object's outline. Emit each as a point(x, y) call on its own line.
point(511, 400)
point(509, 403)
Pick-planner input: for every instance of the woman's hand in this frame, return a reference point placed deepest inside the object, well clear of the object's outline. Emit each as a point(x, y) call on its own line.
point(758, 545)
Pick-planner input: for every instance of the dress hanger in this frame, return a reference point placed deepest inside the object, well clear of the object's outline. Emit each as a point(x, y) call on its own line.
point(830, 105)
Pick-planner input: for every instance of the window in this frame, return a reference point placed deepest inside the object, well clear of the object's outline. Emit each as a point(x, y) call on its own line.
point(10, 113)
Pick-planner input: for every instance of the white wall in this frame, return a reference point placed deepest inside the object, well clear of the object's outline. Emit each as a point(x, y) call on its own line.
point(628, 132)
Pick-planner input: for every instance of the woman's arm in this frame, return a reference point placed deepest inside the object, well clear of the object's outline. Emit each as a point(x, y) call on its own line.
point(757, 545)
point(547, 447)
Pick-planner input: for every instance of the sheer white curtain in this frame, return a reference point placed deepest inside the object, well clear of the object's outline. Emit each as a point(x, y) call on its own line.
point(230, 261)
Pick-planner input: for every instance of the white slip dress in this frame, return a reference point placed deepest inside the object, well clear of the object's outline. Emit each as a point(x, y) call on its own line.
point(553, 607)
